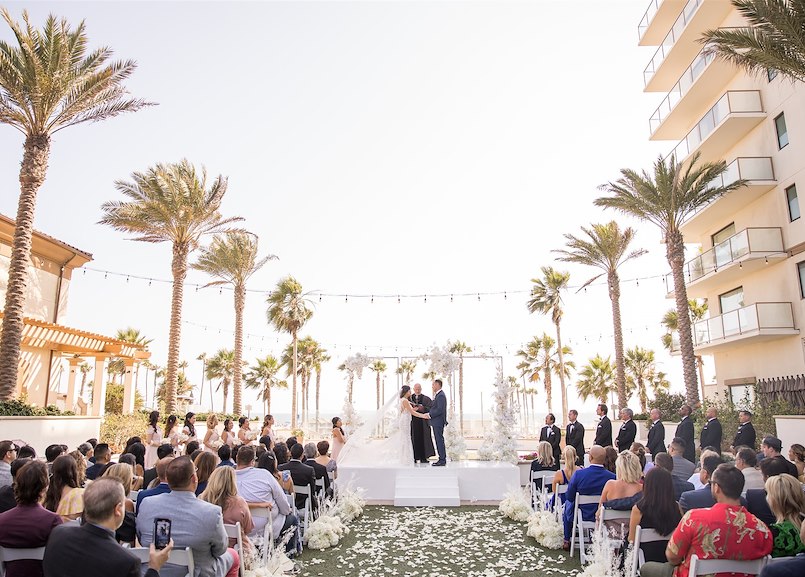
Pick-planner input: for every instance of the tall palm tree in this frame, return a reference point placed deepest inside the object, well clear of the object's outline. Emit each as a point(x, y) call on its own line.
point(85, 369)
point(642, 371)
point(170, 203)
point(320, 357)
point(221, 366)
point(459, 348)
point(406, 369)
point(306, 351)
point(666, 198)
point(48, 81)
point(288, 311)
point(117, 366)
point(774, 39)
point(597, 379)
point(546, 298)
point(606, 247)
point(232, 259)
point(670, 321)
point(379, 367)
point(263, 376)
point(541, 362)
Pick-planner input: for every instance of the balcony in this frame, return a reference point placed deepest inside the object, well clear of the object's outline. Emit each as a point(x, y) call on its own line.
point(753, 323)
point(759, 174)
point(681, 44)
point(735, 114)
point(730, 260)
point(690, 95)
point(659, 17)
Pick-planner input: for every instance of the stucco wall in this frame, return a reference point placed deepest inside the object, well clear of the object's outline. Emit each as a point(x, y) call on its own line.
point(43, 431)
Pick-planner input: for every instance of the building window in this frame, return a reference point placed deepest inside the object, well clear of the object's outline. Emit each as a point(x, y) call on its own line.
point(771, 73)
point(731, 300)
point(782, 131)
point(742, 395)
point(801, 273)
point(793, 202)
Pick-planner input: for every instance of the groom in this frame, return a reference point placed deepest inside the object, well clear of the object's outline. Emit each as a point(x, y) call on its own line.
point(438, 420)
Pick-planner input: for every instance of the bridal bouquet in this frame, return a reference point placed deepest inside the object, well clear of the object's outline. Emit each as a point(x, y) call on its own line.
point(184, 437)
point(217, 444)
point(516, 505)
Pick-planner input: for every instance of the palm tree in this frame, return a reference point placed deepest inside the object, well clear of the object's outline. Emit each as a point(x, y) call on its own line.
point(666, 198)
point(379, 367)
point(48, 81)
point(541, 362)
point(117, 366)
point(222, 366)
point(606, 247)
point(406, 369)
point(263, 376)
point(320, 357)
point(306, 351)
point(546, 298)
point(288, 311)
point(232, 258)
point(642, 370)
point(459, 348)
point(597, 379)
point(670, 321)
point(85, 369)
point(170, 203)
point(774, 39)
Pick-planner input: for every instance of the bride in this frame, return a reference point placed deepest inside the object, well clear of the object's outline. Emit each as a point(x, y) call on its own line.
point(406, 412)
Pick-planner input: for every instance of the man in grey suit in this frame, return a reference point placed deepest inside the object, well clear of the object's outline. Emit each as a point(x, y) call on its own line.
point(194, 523)
point(683, 468)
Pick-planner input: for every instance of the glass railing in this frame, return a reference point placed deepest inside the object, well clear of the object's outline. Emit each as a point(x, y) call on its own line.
point(670, 39)
point(681, 88)
point(653, 7)
point(743, 320)
point(732, 102)
point(748, 241)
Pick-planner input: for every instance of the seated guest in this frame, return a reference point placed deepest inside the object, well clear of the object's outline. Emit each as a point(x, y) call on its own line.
point(791, 567)
point(309, 456)
point(281, 452)
point(787, 503)
point(772, 447)
point(290, 442)
point(625, 490)
point(205, 464)
point(323, 447)
point(756, 498)
point(640, 450)
point(81, 464)
point(746, 462)
point(64, 496)
point(194, 523)
point(683, 468)
point(7, 500)
point(191, 447)
point(665, 461)
point(8, 452)
point(696, 477)
point(138, 450)
point(124, 473)
point(724, 531)
point(611, 457)
point(266, 442)
point(656, 510)
point(28, 525)
point(563, 476)
point(268, 461)
point(92, 443)
point(225, 455)
point(702, 498)
point(150, 474)
point(162, 487)
point(52, 452)
point(587, 481)
point(796, 454)
point(90, 550)
point(26, 452)
point(260, 489)
point(302, 475)
point(543, 462)
point(222, 490)
point(102, 457)
point(85, 449)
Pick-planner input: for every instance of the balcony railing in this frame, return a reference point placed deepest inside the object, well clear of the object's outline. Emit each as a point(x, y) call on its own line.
point(748, 319)
point(750, 240)
point(732, 102)
point(668, 42)
point(652, 9)
point(681, 88)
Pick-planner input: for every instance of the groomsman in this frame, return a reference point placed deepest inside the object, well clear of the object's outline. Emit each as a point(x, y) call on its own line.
point(656, 434)
point(574, 435)
point(628, 431)
point(551, 433)
point(711, 433)
point(746, 435)
point(684, 430)
point(603, 432)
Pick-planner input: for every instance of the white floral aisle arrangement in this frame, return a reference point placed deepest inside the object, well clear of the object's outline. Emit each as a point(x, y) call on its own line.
point(500, 443)
point(349, 505)
point(454, 443)
point(603, 557)
point(516, 505)
point(330, 527)
point(258, 563)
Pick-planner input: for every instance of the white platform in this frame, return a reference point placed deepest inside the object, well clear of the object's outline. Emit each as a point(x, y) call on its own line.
point(477, 482)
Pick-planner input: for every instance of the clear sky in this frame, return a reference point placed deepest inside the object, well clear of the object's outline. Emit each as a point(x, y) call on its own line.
point(376, 148)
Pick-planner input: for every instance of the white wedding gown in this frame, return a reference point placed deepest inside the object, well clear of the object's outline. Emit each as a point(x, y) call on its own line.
point(405, 443)
point(364, 448)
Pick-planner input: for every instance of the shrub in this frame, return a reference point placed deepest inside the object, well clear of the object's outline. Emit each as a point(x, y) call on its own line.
point(116, 429)
point(114, 399)
point(202, 417)
point(18, 408)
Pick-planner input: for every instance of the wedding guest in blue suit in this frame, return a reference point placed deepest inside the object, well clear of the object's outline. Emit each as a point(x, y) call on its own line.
point(589, 481)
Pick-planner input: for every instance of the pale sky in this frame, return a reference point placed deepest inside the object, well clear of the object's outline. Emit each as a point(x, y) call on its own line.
point(376, 148)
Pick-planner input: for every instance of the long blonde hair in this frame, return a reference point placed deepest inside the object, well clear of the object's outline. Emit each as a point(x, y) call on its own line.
point(786, 499)
point(212, 421)
point(123, 472)
point(627, 467)
point(570, 457)
point(545, 452)
point(221, 487)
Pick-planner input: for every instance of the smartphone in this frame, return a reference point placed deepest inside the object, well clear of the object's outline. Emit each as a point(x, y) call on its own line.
point(286, 475)
point(162, 533)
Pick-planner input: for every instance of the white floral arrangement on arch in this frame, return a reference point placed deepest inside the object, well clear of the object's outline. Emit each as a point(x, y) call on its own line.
point(454, 443)
point(356, 363)
point(500, 443)
point(516, 505)
point(441, 361)
point(351, 419)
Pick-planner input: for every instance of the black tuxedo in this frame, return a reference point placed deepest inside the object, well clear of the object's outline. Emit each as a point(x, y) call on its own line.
point(302, 475)
point(626, 436)
point(745, 436)
point(148, 476)
point(68, 547)
point(684, 430)
point(656, 438)
point(711, 435)
point(574, 437)
point(553, 435)
point(603, 432)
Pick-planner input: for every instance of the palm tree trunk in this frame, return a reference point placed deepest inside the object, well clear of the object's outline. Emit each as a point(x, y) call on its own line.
point(620, 366)
point(32, 174)
point(561, 370)
point(225, 386)
point(675, 253)
point(641, 392)
point(240, 301)
point(293, 386)
point(318, 389)
point(267, 397)
point(548, 391)
point(461, 392)
point(700, 366)
point(179, 270)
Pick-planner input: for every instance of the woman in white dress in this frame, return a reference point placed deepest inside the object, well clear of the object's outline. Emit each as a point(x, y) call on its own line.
point(245, 435)
point(228, 436)
point(211, 438)
point(172, 432)
point(153, 439)
point(407, 411)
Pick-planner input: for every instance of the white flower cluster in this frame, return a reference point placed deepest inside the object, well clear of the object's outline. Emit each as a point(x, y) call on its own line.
point(328, 529)
point(356, 363)
point(257, 562)
point(546, 528)
point(441, 361)
point(349, 505)
point(516, 505)
point(500, 443)
point(453, 441)
point(604, 560)
point(351, 419)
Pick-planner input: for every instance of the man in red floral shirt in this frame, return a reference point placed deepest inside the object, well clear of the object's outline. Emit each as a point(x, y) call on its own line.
point(724, 531)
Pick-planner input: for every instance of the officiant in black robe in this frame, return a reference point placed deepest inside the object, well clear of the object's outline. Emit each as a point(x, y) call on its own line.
point(420, 428)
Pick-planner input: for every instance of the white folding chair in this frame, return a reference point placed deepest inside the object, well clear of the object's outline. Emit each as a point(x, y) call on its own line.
point(557, 501)
point(320, 494)
point(133, 495)
point(11, 554)
point(613, 515)
point(580, 525)
point(308, 510)
point(268, 532)
point(234, 532)
point(178, 557)
point(643, 536)
point(543, 476)
point(708, 566)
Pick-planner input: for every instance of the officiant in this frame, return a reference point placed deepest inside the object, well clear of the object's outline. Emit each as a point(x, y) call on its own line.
point(420, 428)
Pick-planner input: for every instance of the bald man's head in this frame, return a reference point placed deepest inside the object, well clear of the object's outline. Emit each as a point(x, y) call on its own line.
point(597, 454)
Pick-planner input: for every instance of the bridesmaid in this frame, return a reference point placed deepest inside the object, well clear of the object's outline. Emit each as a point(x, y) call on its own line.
point(339, 439)
point(228, 436)
point(245, 431)
point(189, 429)
point(212, 436)
point(268, 428)
point(153, 439)
point(171, 431)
